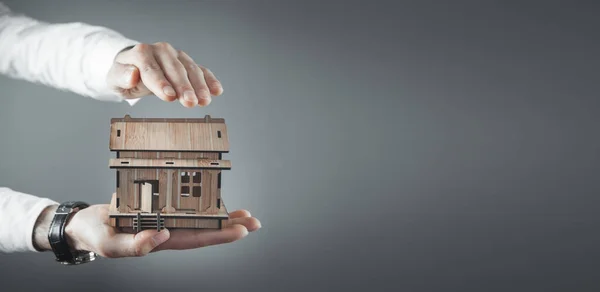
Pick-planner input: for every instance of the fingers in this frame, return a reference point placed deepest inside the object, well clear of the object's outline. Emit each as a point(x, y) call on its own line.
point(176, 73)
point(142, 56)
point(166, 72)
point(134, 245)
point(239, 213)
point(237, 228)
point(197, 79)
point(251, 224)
point(214, 84)
point(190, 239)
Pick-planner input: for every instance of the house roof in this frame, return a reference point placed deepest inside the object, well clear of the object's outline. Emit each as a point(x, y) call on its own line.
point(203, 134)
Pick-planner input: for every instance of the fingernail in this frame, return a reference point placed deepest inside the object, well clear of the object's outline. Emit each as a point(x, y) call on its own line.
point(161, 237)
point(190, 96)
point(219, 88)
point(205, 98)
point(168, 90)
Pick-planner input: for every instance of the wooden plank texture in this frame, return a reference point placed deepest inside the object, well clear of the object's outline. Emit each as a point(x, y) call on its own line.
point(203, 223)
point(169, 163)
point(169, 155)
point(168, 135)
point(206, 119)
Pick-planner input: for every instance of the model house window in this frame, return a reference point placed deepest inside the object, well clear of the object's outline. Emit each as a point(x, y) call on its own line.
point(191, 184)
point(197, 191)
point(185, 191)
point(185, 178)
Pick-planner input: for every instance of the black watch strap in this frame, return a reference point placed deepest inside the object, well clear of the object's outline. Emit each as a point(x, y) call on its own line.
point(56, 233)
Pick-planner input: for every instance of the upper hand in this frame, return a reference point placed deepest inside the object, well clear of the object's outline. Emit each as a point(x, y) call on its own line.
point(89, 230)
point(162, 70)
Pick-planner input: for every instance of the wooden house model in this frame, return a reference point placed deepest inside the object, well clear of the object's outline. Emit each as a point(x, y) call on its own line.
point(168, 173)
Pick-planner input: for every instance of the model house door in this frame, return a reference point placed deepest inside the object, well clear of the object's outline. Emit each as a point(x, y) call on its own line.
point(146, 197)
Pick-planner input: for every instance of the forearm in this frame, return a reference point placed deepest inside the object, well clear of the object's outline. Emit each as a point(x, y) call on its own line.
point(19, 219)
point(74, 56)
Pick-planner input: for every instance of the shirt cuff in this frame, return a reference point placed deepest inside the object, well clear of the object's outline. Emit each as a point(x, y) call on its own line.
point(116, 98)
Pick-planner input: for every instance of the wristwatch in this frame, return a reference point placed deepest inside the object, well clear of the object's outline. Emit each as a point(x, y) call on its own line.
point(58, 241)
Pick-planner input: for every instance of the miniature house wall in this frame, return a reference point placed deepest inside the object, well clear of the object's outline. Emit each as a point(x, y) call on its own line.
point(168, 172)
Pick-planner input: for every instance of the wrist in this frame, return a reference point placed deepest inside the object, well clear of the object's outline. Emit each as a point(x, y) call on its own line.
point(41, 228)
point(71, 232)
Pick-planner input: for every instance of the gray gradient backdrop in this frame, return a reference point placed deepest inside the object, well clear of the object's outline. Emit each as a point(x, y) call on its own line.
point(414, 145)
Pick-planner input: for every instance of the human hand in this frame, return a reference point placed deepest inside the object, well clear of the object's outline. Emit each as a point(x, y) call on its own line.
point(164, 71)
point(89, 230)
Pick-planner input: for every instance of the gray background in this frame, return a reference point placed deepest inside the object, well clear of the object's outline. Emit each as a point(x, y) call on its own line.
point(414, 145)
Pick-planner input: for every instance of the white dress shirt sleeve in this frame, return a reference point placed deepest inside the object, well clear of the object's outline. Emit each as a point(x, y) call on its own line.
point(19, 212)
point(73, 57)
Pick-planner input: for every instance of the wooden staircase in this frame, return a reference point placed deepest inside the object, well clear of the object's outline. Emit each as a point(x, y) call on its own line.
point(143, 222)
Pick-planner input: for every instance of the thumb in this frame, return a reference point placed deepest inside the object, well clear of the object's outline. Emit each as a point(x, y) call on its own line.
point(123, 76)
point(140, 244)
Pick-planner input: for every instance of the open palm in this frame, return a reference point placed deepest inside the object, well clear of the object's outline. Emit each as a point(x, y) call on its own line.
point(89, 230)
